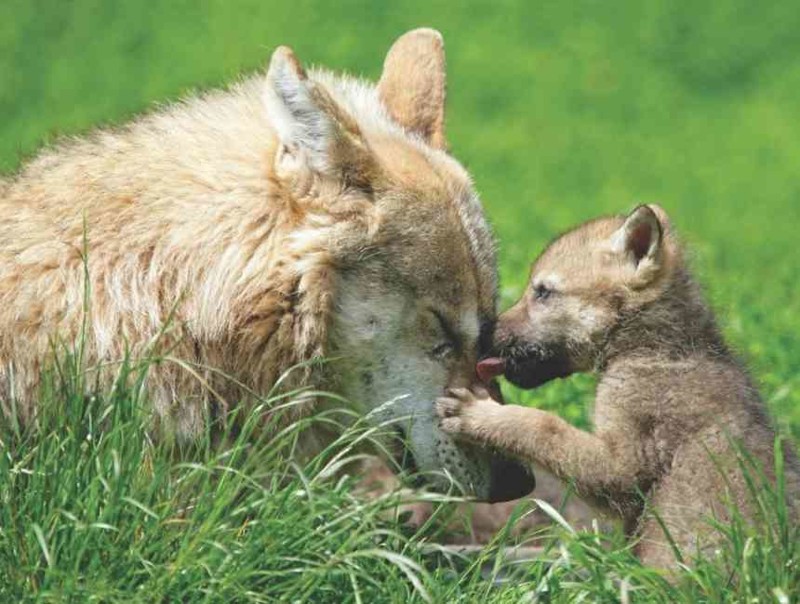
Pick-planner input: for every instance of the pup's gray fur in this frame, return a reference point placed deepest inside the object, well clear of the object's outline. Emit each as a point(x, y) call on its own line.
point(673, 404)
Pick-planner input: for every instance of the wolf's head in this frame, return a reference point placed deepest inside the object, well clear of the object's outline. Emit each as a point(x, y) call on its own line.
point(391, 235)
point(588, 284)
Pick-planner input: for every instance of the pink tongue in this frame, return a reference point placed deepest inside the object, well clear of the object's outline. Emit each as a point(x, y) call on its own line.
point(488, 369)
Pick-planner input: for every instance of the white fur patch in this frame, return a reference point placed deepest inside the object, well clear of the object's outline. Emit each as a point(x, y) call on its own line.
point(589, 318)
point(387, 369)
point(470, 325)
point(301, 126)
point(618, 239)
point(551, 281)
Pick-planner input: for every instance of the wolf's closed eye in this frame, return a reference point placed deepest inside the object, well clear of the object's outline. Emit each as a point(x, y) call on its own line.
point(450, 339)
point(442, 350)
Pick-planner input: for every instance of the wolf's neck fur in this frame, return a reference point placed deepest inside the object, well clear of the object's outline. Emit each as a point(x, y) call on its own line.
point(678, 324)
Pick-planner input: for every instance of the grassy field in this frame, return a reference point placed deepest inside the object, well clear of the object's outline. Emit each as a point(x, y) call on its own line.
point(92, 511)
point(560, 110)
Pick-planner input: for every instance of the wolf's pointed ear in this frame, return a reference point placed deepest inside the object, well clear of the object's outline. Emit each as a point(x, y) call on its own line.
point(412, 86)
point(302, 127)
point(640, 237)
point(314, 132)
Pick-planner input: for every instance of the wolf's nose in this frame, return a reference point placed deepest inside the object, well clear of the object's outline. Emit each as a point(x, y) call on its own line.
point(509, 480)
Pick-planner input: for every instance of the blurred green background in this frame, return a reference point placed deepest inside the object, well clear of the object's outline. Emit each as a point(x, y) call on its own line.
point(560, 110)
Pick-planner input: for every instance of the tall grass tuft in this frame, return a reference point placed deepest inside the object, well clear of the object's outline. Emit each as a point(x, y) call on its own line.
point(92, 509)
point(758, 560)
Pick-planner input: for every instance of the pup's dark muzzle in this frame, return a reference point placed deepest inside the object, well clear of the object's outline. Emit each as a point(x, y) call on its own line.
point(533, 371)
point(509, 480)
point(526, 364)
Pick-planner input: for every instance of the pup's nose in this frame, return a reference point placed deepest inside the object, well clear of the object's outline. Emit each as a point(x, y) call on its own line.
point(509, 480)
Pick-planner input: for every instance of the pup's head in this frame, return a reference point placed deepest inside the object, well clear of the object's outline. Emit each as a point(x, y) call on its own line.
point(581, 287)
point(393, 233)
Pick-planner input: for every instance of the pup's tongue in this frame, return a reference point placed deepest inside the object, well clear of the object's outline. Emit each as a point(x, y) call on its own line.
point(488, 369)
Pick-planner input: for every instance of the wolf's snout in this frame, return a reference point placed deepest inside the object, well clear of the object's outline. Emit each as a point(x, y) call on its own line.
point(509, 480)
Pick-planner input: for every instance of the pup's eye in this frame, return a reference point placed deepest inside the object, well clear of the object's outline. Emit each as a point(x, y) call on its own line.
point(542, 292)
point(443, 350)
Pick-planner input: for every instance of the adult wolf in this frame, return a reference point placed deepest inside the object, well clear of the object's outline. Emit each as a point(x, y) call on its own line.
point(293, 217)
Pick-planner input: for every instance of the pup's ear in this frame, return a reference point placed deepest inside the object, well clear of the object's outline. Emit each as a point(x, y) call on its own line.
point(412, 86)
point(314, 132)
point(640, 238)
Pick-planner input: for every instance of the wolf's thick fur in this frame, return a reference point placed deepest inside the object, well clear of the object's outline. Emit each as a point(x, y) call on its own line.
point(292, 217)
point(673, 404)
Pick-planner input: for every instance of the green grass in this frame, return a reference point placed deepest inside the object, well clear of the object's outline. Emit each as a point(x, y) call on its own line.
point(561, 111)
point(92, 510)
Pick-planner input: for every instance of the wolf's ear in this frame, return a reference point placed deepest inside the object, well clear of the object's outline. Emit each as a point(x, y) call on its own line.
point(640, 237)
point(314, 132)
point(302, 127)
point(412, 86)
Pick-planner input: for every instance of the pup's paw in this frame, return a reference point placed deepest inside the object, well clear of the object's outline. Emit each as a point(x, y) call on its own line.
point(463, 411)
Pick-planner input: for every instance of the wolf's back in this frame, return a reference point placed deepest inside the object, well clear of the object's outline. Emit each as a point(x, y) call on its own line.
point(172, 217)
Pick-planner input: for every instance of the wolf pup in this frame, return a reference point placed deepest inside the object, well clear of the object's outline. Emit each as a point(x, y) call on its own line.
point(673, 406)
point(296, 216)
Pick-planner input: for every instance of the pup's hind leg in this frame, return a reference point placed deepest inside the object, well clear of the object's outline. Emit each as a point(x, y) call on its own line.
point(682, 510)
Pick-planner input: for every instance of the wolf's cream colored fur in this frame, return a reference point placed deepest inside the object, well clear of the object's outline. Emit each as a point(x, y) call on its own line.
point(259, 219)
point(672, 404)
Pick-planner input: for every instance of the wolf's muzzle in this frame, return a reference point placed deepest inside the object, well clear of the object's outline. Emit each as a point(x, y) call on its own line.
point(509, 480)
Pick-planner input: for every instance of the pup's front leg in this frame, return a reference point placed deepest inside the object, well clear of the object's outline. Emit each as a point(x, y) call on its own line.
point(533, 435)
point(473, 415)
point(469, 414)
